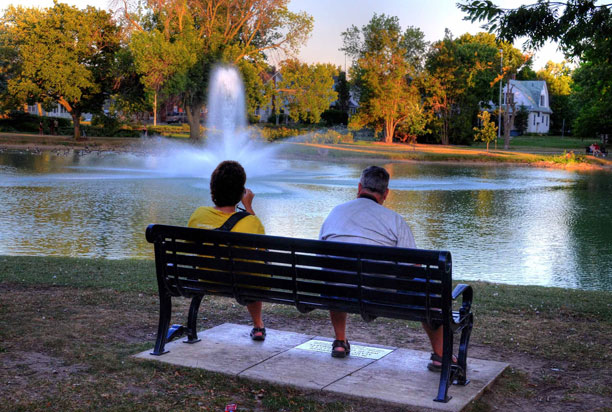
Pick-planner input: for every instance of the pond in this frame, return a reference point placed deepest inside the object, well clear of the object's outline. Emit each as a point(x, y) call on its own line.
point(516, 225)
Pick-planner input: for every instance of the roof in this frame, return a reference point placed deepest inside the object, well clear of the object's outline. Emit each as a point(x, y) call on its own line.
point(531, 89)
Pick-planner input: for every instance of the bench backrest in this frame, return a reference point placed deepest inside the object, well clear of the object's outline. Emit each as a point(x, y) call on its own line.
point(310, 274)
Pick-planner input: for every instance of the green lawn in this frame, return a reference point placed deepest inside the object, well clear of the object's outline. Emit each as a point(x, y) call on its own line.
point(540, 142)
point(69, 328)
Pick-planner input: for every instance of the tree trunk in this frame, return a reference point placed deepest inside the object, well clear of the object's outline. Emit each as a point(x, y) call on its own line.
point(445, 122)
point(76, 120)
point(193, 118)
point(38, 106)
point(389, 131)
point(155, 109)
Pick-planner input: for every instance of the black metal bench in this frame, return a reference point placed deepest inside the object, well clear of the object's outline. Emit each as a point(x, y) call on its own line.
point(372, 281)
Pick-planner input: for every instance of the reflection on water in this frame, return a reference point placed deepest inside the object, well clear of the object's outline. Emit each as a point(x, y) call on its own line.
point(502, 224)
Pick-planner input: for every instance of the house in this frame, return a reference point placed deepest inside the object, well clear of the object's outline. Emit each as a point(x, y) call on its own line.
point(266, 111)
point(533, 94)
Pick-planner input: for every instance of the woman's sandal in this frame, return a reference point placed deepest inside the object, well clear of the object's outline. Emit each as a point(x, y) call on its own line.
point(258, 333)
point(432, 366)
point(341, 344)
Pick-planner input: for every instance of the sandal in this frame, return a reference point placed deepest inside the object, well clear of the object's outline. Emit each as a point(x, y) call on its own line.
point(258, 333)
point(341, 344)
point(432, 366)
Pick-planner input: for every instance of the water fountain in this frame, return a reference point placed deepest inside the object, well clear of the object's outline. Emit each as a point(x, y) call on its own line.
point(227, 137)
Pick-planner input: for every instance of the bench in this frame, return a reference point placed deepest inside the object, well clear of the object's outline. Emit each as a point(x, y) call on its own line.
point(372, 281)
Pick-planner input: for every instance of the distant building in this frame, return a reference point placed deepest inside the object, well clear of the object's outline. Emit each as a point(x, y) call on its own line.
point(266, 111)
point(533, 94)
point(57, 111)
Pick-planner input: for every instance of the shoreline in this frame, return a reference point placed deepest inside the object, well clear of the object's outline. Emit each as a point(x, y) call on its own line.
point(376, 151)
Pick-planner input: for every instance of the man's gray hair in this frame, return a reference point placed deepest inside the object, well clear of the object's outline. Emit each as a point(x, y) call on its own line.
point(375, 179)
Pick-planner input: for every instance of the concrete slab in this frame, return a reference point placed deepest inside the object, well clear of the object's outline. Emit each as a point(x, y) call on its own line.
point(371, 371)
point(402, 378)
point(289, 368)
point(227, 348)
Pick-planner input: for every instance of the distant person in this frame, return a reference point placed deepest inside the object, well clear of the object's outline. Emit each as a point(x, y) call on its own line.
point(56, 126)
point(595, 149)
point(227, 190)
point(40, 127)
point(366, 220)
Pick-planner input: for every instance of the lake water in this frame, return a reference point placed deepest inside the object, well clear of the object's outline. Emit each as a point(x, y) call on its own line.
point(515, 225)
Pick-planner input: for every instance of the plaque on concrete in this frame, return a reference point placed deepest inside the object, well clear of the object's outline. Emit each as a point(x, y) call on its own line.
point(358, 351)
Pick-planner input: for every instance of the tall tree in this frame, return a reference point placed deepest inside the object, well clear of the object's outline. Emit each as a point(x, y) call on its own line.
point(558, 78)
point(464, 73)
point(386, 74)
point(61, 54)
point(157, 59)
point(344, 92)
point(222, 31)
point(307, 89)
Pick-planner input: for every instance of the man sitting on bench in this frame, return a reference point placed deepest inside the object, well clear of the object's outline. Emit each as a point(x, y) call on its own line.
point(366, 220)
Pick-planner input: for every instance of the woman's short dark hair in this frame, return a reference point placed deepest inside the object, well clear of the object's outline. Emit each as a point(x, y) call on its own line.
point(375, 179)
point(227, 183)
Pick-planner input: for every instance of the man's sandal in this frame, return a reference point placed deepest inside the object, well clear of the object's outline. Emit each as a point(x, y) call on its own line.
point(341, 344)
point(258, 333)
point(432, 366)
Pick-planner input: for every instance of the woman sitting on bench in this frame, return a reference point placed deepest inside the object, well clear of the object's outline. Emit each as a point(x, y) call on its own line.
point(227, 190)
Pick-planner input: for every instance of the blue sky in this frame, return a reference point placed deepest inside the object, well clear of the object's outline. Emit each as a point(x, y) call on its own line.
point(332, 17)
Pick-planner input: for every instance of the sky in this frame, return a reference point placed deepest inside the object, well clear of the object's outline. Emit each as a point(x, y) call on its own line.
point(332, 17)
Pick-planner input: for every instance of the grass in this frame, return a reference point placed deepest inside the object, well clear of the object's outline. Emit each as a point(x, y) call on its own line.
point(540, 142)
point(68, 328)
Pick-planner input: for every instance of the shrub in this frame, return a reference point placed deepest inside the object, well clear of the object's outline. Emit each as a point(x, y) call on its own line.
point(333, 117)
point(272, 133)
point(568, 158)
point(18, 121)
point(328, 137)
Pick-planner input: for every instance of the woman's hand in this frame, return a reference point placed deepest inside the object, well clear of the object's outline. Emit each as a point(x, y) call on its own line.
point(247, 200)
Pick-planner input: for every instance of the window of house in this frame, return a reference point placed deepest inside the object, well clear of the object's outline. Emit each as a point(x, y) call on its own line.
point(542, 100)
point(534, 119)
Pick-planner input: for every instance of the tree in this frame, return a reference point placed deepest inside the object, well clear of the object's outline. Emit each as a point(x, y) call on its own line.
point(386, 75)
point(593, 98)
point(578, 25)
point(157, 59)
point(521, 119)
point(221, 31)
point(61, 55)
point(344, 92)
point(558, 78)
point(307, 89)
point(487, 132)
point(464, 73)
point(583, 30)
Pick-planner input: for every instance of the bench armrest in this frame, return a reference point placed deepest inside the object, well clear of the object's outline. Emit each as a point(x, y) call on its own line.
point(467, 293)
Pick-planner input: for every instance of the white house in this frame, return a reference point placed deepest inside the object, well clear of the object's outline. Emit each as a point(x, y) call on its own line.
point(533, 94)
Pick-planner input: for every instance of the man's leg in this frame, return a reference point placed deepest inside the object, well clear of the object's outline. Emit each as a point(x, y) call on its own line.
point(338, 320)
point(254, 309)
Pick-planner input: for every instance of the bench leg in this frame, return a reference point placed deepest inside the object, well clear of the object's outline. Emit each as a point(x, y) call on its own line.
point(445, 374)
point(165, 311)
point(461, 377)
point(192, 320)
